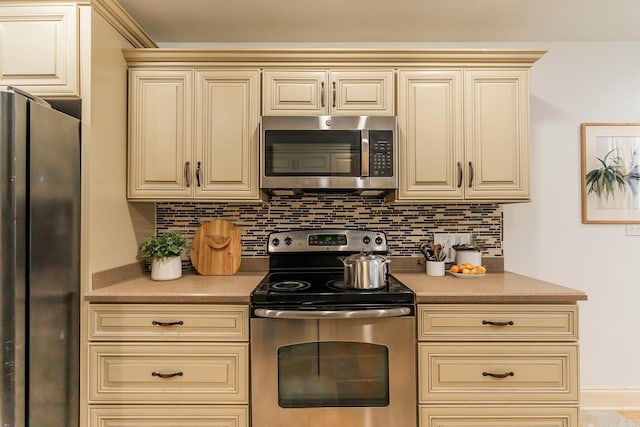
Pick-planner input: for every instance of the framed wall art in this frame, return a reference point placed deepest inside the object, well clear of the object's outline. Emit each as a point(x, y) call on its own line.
point(610, 173)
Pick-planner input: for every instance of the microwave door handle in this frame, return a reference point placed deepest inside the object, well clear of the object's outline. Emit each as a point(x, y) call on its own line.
point(332, 314)
point(365, 153)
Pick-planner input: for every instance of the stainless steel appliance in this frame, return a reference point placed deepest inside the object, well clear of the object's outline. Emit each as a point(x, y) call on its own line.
point(328, 152)
point(39, 263)
point(324, 354)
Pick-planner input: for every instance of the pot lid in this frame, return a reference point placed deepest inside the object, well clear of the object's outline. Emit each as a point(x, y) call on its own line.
point(465, 247)
point(365, 257)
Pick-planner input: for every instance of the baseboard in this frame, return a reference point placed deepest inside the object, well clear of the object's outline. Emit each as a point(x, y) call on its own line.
point(625, 399)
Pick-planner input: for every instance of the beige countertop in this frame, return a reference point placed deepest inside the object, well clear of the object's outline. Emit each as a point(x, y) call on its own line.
point(193, 288)
point(492, 288)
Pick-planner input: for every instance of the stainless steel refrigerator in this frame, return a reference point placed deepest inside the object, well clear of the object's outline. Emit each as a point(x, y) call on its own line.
point(39, 263)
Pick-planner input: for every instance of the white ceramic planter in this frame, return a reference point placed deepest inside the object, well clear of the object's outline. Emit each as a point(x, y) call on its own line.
point(166, 268)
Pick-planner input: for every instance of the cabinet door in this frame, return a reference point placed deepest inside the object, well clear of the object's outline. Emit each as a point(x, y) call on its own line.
point(497, 134)
point(39, 49)
point(363, 93)
point(227, 134)
point(160, 126)
point(294, 93)
point(431, 129)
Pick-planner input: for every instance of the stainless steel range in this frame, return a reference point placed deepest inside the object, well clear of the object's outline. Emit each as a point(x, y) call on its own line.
point(324, 353)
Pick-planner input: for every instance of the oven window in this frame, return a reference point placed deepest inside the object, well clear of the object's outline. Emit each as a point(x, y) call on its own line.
point(312, 153)
point(333, 373)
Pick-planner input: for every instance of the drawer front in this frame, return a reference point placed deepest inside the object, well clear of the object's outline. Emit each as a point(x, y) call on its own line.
point(168, 416)
point(498, 373)
point(161, 373)
point(498, 417)
point(168, 322)
point(480, 322)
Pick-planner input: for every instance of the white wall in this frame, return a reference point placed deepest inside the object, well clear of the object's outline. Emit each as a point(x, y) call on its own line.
point(571, 84)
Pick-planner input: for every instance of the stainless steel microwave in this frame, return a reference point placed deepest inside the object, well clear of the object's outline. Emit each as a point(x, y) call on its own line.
point(328, 153)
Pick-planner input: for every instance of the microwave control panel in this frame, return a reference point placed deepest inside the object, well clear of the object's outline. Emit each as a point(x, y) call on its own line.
point(380, 153)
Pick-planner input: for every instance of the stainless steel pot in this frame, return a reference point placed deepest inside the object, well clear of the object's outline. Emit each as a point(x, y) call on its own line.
point(365, 271)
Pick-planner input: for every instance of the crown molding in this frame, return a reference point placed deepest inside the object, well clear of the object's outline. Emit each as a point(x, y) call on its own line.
point(115, 15)
point(328, 57)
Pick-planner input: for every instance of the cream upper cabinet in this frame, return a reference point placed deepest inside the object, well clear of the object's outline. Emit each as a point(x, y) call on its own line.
point(39, 49)
point(184, 146)
point(227, 106)
point(431, 145)
point(349, 92)
point(464, 135)
point(160, 133)
point(497, 134)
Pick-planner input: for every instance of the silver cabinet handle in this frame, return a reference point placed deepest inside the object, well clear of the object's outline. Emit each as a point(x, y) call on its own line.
point(332, 314)
point(187, 174)
point(198, 174)
point(470, 174)
point(322, 94)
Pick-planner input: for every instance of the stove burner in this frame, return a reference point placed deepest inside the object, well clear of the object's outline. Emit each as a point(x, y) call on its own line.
point(289, 286)
point(339, 285)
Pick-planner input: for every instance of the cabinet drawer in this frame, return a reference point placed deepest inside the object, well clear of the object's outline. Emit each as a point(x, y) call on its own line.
point(478, 322)
point(498, 417)
point(168, 415)
point(161, 373)
point(534, 373)
point(170, 322)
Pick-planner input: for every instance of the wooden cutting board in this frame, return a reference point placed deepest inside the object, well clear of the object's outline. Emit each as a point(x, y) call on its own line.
point(217, 248)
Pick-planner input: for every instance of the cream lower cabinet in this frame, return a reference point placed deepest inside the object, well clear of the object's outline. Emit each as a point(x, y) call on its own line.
point(173, 364)
point(39, 49)
point(464, 135)
point(322, 92)
point(498, 365)
point(193, 134)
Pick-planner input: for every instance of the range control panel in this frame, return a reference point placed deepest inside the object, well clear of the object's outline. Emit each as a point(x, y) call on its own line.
point(327, 240)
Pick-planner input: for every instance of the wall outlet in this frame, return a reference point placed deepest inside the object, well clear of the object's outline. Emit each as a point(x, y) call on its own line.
point(633, 229)
point(448, 240)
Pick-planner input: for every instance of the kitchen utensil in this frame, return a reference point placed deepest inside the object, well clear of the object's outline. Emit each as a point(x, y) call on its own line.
point(217, 248)
point(365, 271)
point(430, 254)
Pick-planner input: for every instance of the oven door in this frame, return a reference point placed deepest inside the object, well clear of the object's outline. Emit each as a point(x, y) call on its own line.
point(333, 372)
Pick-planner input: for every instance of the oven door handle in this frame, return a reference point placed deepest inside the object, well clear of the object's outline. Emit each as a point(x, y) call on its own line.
point(332, 314)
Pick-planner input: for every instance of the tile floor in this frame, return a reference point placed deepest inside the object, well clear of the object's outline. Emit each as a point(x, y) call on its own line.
point(609, 418)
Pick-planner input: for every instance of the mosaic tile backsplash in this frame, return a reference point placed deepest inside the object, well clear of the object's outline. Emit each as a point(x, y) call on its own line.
point(406, 226)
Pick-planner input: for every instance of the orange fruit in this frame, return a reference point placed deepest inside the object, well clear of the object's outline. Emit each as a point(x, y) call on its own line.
point(466, 271)
point(454, 269)
point(481, 269)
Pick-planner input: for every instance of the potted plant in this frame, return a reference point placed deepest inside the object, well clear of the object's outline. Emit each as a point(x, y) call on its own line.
point(165, 253)
point(609, 176)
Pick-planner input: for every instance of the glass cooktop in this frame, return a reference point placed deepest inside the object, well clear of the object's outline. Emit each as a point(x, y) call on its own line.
point(321, 288)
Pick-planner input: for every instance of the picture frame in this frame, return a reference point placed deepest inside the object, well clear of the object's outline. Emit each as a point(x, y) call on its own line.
point(610, 173)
